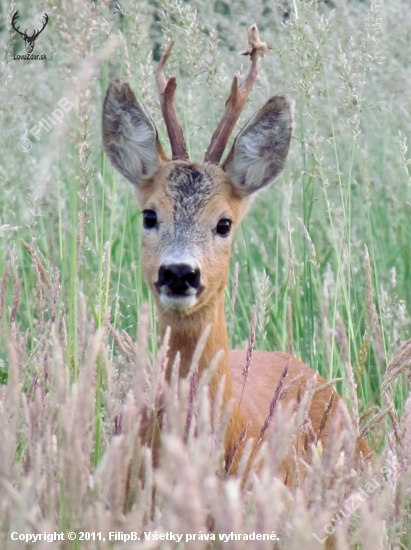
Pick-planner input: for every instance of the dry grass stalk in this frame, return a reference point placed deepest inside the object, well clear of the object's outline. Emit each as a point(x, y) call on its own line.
point(303, 405)
point(325, 327)
point(310, 244)
point(174, 378)
point(264, 292)
point(158, 374)
point(278, 394)
point(325, 415)
point(393, 417)
point(374, 421)
point(342, 339)
point(237, 445)
point(218, 404)
point(3, 288)
point(327, 385)
point(372, 318)
point(199, 350)
point(16, 300)
point(291, 258)
point(193, 381)
point(234, 289)
point(352, 392)
point(399, 364)
point(290, 329)
point(250, 347)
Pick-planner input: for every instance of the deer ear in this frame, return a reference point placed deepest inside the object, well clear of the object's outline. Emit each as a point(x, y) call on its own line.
point(129, 136)
point(260, 149)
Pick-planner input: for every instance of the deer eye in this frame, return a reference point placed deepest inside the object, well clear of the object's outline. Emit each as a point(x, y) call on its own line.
point(149, 219)
point(223, 227)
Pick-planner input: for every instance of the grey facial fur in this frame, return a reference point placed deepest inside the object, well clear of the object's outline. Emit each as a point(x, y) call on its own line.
point(189, 190)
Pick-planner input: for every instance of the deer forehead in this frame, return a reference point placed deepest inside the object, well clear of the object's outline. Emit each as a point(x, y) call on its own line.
point(189, 194)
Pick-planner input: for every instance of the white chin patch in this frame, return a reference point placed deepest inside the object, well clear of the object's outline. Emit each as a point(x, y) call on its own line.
point(180, 303)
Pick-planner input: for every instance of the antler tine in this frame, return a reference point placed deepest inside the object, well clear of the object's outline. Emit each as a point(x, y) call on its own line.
point(13, 22)
point(46, 18)
point(237, 99)
point(166, 89)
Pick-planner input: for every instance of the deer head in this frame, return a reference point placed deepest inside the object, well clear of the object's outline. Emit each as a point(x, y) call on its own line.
point(190, 209)
point(28, 40)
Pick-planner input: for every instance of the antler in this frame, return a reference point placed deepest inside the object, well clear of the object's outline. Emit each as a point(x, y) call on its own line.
point(237, 99)
point(46, 19)
point(13, 21)
point(166, 89)
point(25, 35)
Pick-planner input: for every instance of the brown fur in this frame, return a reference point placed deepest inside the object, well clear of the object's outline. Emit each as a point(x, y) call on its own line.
point(189, 199)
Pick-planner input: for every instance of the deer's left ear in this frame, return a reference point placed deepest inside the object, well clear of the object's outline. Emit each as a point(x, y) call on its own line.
point(260, 149)
point(129, 135)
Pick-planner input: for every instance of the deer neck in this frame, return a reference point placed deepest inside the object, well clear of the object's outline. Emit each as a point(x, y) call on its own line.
point(186, 330)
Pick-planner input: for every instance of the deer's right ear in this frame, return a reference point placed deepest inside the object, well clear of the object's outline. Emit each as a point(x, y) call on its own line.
point(129, 136)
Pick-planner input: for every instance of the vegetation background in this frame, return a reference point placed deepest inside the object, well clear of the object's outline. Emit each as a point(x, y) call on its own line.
point(324, 255)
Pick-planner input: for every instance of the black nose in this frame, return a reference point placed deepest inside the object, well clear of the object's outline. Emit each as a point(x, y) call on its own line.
point(179, 277)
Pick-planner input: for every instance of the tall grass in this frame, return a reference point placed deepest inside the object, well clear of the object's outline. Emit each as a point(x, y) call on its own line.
point(324, 255)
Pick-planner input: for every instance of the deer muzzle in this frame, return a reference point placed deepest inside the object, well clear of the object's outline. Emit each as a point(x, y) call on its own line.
point(179, 285)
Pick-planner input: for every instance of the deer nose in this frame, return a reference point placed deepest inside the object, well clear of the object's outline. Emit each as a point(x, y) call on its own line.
point(179, 278)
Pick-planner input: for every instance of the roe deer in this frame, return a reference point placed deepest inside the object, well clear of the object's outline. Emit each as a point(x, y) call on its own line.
point(190, 211)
